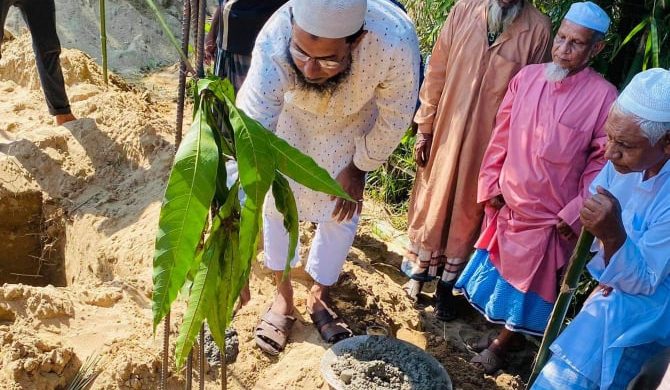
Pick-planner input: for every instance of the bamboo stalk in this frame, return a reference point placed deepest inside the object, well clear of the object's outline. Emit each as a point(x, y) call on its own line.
point(574, 270)
point(189, 371)
point(103, 40)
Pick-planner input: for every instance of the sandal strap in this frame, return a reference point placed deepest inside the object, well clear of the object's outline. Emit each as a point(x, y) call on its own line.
point(281, 322)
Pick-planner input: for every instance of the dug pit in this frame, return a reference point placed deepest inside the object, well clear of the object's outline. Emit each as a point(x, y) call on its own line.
point(32, 248)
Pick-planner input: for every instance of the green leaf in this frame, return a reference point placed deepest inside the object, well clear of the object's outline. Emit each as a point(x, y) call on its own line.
point(303, 169)
point(655, 47)
point(256, 165)
point(285, 202)
point(630, 36)
point(221, 88)
point(647, 52)
point(186, 204)
point(220, 313)
point(203, 293)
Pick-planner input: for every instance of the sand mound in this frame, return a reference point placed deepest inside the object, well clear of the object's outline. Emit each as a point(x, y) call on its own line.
point(134, 39)
point(78, 274)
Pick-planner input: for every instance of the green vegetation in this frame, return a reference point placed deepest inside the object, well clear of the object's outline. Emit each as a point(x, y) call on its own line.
point(207, 238)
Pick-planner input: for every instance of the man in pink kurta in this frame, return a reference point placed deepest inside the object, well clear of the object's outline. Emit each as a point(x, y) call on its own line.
point(546, 148)
point(483, 44)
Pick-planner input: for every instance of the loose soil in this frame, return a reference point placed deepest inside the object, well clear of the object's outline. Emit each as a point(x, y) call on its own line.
point(90, 191)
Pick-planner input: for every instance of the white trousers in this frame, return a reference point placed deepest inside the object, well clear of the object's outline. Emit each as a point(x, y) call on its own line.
point(329, 250)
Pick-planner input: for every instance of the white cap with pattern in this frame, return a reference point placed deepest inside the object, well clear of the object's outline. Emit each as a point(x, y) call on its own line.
point(330, 18)
point(648, 95)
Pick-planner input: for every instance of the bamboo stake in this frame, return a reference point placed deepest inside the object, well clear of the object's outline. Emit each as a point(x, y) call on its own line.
point(103, 40)
point(575, 267)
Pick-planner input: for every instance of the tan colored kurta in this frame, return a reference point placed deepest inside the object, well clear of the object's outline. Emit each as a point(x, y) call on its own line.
point(466, 80)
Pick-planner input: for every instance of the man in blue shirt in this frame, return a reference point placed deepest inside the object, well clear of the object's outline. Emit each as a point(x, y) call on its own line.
point(625, 321)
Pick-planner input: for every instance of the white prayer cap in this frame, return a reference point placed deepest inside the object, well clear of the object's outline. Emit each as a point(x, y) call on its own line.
point(589, 15)
point(648, 95)
point(330, 18)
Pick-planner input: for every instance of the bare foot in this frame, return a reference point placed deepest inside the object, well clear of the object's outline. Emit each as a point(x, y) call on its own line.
point(64, 118)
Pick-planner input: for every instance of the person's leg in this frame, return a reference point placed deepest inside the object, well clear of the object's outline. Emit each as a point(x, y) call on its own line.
point(444, 298)
point(329, 250)
point(273, 330)
point(275, 244)
point(4, 9)
point(40, 16)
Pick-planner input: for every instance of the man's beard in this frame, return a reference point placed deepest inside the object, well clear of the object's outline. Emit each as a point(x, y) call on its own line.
point(327, 87)
point(555, 73)
point(499, 18)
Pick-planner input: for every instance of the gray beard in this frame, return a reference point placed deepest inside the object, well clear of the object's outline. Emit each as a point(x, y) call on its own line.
point(555, 73)
point(499, 19)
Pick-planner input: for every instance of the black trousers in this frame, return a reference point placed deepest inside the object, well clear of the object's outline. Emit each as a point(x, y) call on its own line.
point(40, 16)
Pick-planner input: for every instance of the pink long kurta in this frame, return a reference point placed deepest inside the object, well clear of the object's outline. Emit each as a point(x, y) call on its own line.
point(466, 80)
point(546, 148)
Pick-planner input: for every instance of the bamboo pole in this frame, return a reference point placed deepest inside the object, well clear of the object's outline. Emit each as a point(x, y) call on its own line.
point(103, 40)
point(574, 270)
point(201, 358)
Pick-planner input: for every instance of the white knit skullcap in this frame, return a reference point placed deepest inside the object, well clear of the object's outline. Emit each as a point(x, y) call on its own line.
point(330, 18)
point(648, 95)
point(589, 15)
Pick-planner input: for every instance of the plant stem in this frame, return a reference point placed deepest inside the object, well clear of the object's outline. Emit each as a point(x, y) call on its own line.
point(181, 90)
point(103, 40)
point(575, 267)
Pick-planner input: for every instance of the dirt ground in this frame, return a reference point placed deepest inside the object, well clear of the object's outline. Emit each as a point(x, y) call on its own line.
point(91, 192)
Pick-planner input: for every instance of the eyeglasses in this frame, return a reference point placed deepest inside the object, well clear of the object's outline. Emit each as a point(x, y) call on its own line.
point(302, 57)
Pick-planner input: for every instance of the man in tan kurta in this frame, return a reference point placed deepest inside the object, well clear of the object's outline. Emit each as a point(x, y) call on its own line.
point(483, 44)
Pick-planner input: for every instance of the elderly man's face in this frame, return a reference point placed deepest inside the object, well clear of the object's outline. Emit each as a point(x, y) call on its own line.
point(629, 150)
point(574, 47)
point(310, 53)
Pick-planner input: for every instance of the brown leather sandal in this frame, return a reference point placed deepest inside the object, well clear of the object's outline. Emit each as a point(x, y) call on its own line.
point(330, 326)
point(272, 332)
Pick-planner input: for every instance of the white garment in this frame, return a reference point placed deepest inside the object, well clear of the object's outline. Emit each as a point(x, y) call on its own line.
point(362, 120)
point(637, 311)
point(329, 250)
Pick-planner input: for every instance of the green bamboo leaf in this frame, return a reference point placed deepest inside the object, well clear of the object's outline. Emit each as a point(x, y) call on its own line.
point(303, 169)
point(647, 52)
point(630, 36)
point(655, 47)
point(285, 202)
point(203, 293)
point(186, 204)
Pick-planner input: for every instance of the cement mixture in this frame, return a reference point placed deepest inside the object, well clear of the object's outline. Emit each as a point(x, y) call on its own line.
point(380, 364)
